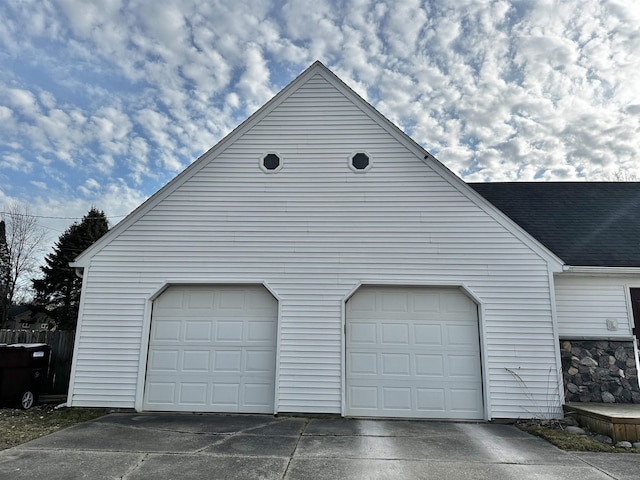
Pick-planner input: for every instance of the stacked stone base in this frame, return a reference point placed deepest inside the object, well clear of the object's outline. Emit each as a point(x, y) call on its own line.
point(599, 371)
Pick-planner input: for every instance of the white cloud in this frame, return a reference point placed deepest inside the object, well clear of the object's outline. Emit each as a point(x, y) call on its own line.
point(39, 185)
point(315, 25)
point(118, 199)
point(15, 161)
point(253, 85)
point(24, 101)
point(84, 18)
point(92, 183)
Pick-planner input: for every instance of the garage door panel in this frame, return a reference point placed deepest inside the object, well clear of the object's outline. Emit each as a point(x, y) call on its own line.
point(462, 336)
point(394, 302)
point(412, 353)
point(363, 398)
point(198, 302)
point(364, 363)
point(167, 330)
point(215, 353)
point(430, 400)
point(195, 361)
point(192, 393)
point(364, 333)
point(232, 300)
point(255, 394)
point(227, 361)
point(225, 396)
point(459, 303)
point(463, 400)
point(426, 303)
point(171, 300)
point(429, 365)
point(396, 364)
point(425, 334)
point(258, 302)
point(396, 398)
point(198, 331)
point(463, 366)
point(164, 361)
point(162, 393)
point(229, 331)
point(259, 361)
point(395, 333)
point(260, 332)
point(364, 302)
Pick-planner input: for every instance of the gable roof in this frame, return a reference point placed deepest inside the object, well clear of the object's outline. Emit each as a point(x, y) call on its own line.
point(583, 223)
point(317, 68)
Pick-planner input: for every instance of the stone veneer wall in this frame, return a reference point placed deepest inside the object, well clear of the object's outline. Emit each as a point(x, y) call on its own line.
point(599, 371)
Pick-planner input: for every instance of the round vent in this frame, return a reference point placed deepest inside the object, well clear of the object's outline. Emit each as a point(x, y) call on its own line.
point(360, 162)
point(271, 162)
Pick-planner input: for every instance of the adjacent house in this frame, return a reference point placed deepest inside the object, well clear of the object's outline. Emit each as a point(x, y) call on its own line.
point(595, 229)
point(27, 317)
point(318, 260)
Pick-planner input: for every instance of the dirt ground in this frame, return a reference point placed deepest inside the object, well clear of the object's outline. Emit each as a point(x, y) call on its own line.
point(20, 426)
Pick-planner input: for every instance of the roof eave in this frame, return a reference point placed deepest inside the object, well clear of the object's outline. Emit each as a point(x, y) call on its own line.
point(594, 270)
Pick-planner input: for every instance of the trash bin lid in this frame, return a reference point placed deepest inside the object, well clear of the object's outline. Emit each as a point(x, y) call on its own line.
point(27, 345)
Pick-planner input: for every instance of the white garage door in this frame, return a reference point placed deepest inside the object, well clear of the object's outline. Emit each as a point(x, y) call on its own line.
point(212, 349)
point(413, 352)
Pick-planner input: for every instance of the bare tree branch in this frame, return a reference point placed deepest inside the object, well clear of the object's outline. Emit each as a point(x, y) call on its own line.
point(622, 176)
point(25, 239)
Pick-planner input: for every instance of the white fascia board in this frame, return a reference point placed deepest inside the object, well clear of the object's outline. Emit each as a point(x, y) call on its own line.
point(587, 270)
point(84, 258)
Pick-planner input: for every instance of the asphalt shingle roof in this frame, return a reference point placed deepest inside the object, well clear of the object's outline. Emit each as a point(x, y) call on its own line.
point(583, 223)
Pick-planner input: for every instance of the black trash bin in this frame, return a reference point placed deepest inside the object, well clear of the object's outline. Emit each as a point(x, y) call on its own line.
point(23, 368)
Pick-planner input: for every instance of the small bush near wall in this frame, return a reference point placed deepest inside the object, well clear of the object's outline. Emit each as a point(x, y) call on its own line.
point(599, 371)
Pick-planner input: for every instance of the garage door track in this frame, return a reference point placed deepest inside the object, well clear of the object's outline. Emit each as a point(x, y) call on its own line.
point(183, 446)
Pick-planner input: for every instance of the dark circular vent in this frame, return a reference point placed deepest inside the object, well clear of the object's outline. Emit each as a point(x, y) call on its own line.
point(271, 161)
point(360, 161)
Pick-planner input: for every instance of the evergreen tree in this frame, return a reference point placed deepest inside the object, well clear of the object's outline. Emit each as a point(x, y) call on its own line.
point(59, 289)
point(5, 274)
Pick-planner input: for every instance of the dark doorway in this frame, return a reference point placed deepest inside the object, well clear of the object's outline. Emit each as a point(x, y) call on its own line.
point(635, 305)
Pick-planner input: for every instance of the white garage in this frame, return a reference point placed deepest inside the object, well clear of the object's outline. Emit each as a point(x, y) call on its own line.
point(212, 349)
point(312, 196)
point(413, 352)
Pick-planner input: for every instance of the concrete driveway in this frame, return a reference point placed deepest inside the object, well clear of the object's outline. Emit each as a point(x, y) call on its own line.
point(179, 446)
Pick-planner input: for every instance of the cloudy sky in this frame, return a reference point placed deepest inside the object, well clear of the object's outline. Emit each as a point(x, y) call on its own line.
point(104, 101)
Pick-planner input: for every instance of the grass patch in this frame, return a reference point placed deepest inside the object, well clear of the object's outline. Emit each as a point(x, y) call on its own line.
point(20, 426)
point(558, 436)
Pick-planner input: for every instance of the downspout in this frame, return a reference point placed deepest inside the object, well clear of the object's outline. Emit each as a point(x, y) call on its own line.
point(556, 335)
point(635, 352)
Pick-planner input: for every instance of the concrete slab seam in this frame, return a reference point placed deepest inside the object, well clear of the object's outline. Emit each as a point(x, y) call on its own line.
point(293, 454)
point(222, 439)
point(134, 467)
point(230, 435)
point(592, 465)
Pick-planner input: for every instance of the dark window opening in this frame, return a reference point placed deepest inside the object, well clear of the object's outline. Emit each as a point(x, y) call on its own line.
point(635, 305)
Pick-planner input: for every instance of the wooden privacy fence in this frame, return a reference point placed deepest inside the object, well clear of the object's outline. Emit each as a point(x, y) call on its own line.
point(61, 343)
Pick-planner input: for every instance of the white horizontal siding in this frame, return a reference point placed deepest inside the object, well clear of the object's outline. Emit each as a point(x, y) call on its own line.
point(312, 232)
point(584, 303)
